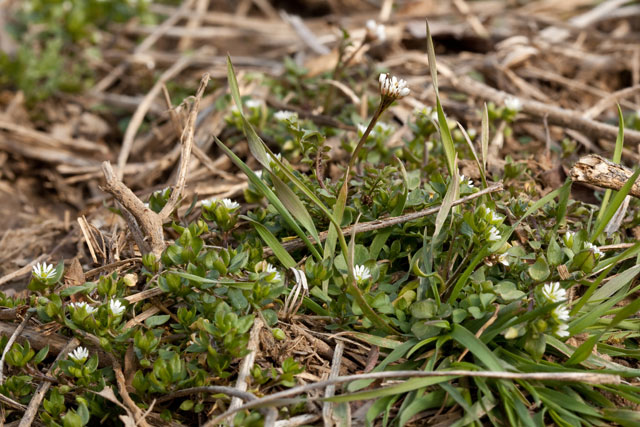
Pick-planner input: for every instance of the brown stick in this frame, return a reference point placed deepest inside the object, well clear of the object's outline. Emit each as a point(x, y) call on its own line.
point(187, 143)
point(36, 400)
point(149, 221)
point(555, 115)
point(273, 399)
point(387, 222)
point(12, 339)
point(598, 171)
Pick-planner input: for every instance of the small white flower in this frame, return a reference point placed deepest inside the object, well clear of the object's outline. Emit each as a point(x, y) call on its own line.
point(361, 273)
point(568, 238)
point(162, 193)
point(562, 330)
point(271, 269)
point(561, 312)
point(494, 217)
point(376, 31)
point(253, 103)
point(468, 181)
point(230, 204)
point(553, 292)
point(393, 87)
point(502, 259)
point(82, 304)
point(258, 173)
point(285, 116)
point(44, 271)
point(472, 133)
point(227, 203)
point(513, 103)
point(80, 354)
point(494, 235)
point(383, 127)
point(115, 307)
point(593, 248)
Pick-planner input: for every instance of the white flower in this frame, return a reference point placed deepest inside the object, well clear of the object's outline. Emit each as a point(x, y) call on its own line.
point(82, 304)
point(115, 307)
point(253, 103)
point(271, 269)
point(593, 248)
point(494, 235)
point(80, 354)
point(468, 181)
point(502, 259)
point(562, 330)
point(258, 173)
point(230, 204)
point(361, 273)
point(568, 238)
point(561, 312)
point(162, 193)
point(44, 271)
point(553, 292)
point(393, 87)
point(383, 127)
point(376, 31)
point(227, 203)
point(285, 116)
point(513, 103)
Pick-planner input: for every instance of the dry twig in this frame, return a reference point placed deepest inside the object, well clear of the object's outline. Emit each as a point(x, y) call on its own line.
point(598, 171)
point(274, 399)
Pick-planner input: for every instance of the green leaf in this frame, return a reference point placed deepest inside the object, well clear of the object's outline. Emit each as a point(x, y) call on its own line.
point(85, 288)
point(477, 348)
point(270, 240)
point(447, 202)
point(555, 254)
point(617, 156)
point(255, 143)
point(425, 309)
point(445, 133)
point(539, 271)
point(158, 320)
point(291, 201)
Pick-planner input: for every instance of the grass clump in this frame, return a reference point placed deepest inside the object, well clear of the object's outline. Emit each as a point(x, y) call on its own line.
point(508, 282)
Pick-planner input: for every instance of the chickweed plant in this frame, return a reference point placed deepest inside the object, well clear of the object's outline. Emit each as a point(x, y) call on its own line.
point(505, 282)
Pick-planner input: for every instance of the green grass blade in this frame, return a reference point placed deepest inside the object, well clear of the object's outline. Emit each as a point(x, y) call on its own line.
point(586, 348)
point(477, 348)
point(291, 201)
point(484, 137)
point(617, 156)
point(445, 133)
point(475, 154)
point(271, 241)
point(612, 208)
point(409, 385)
point(447, 202)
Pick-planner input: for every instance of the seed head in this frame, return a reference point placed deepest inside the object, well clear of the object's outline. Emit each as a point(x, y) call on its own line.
point(392, 87)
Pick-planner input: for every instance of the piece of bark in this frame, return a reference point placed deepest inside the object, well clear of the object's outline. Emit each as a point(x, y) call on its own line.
point(598, 171)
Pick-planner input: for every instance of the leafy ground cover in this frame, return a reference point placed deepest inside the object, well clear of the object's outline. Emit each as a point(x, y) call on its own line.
point(350, 234)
